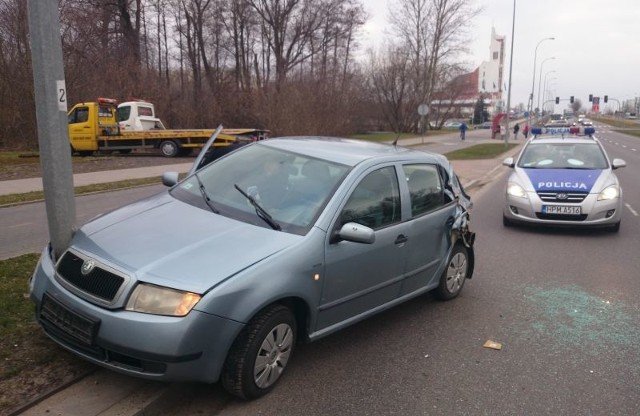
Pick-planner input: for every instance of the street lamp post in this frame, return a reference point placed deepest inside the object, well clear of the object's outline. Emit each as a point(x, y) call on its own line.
point(533, 83)
point(513, 29)
point(540, 83)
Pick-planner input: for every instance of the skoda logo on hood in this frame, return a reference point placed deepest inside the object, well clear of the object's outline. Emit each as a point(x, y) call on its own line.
point(87, 267)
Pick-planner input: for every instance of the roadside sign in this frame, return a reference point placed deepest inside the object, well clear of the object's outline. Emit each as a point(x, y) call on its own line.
point(423, 109)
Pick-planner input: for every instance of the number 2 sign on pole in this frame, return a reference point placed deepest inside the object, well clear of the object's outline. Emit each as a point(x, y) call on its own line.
point(61, 95)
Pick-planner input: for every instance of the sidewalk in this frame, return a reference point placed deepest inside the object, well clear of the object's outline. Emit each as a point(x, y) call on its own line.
point(20, 186)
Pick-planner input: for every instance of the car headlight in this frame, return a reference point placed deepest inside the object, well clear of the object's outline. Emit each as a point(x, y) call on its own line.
point(610, 192)
point(159, 300)
point(516, 190)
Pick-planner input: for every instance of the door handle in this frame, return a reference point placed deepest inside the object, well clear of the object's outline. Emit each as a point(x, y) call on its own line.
point(401, 239)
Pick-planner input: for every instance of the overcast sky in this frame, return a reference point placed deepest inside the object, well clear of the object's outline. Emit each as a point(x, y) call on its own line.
point(596, 46)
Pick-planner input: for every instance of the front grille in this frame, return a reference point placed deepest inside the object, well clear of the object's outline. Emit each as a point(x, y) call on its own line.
point(566, 197)
point(99, 282)
point(561, 217)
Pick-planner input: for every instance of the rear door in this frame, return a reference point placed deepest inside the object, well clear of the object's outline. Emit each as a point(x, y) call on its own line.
point(428, 233)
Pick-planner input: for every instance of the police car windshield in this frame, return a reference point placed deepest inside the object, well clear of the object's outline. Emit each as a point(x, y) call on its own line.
point(563, 156)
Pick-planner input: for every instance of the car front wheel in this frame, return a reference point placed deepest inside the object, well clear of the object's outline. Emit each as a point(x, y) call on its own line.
point(455, 274)
point(260, 354)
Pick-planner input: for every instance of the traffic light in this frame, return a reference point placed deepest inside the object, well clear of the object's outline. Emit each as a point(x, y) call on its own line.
point(590, 97)
point(606, 98)
point(557, 100)
point(571, 99)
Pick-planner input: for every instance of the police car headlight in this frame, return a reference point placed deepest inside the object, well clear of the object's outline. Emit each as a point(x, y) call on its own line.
point(516, 190)
point(159, 300)
point(610, 192)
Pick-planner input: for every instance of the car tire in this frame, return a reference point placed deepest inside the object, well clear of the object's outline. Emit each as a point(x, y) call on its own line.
point(506, 221)
point(169, 148)
point(615, 227)
point(454, 275)
point(260, 353)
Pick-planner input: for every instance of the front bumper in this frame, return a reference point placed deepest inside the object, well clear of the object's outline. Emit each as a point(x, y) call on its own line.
point(593, 213)
point(189, 348)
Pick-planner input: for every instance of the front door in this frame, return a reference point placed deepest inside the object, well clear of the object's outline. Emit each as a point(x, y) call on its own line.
point(360, 277)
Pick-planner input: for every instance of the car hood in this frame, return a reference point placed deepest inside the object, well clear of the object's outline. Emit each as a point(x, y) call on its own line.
point(559, 180)
point(167, 242)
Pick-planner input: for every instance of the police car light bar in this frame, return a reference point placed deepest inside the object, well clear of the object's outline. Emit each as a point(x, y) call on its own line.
point(537, 131)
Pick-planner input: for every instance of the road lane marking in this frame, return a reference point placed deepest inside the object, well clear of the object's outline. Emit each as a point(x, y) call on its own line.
point(24, 224)
point(633, 211)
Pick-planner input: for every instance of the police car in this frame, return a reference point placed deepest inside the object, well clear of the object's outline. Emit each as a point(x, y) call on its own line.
point(563, 178)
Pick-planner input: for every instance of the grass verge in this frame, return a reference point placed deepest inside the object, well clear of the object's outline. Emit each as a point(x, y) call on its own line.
point(30, 363)
point(480, 151)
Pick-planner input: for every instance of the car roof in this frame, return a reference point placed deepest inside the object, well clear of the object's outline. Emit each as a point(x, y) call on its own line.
point(348, 152)
point(566, 139)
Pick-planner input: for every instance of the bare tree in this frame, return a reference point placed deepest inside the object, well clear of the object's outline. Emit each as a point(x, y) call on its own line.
point(286, 65)
point(434, 35)
point(17, 117)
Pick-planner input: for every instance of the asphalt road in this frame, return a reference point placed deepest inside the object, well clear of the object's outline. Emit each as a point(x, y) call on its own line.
point(25, 227)
point(563, 304)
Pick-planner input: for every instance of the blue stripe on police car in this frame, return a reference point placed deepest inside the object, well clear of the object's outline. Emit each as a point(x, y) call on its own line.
point(580, 180)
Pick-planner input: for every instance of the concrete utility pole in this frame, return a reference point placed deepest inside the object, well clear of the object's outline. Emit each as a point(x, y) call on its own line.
point(513, 31)
point(51, 114)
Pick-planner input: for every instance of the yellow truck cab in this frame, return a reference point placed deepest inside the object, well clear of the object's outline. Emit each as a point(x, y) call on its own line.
point(93, 126)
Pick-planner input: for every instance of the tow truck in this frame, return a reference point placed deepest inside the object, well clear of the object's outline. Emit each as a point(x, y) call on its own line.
point(94, 127)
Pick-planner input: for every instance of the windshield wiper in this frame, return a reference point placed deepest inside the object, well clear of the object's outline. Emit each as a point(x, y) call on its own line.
point(260, 212)
point(205, 196)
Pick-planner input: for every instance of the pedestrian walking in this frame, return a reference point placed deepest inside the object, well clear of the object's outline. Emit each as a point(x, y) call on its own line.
point(516, 129)
point(525, 130)
point(463, 130)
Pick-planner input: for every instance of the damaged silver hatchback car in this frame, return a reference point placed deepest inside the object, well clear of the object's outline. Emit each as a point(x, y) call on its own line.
point(281, 241)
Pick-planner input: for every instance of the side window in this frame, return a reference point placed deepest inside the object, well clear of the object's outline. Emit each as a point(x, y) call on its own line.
point(124, 112)
point(79, 115)
point(375, 202)
point(425, 188)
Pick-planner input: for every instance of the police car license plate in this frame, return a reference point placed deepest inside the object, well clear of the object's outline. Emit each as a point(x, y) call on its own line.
point(561, 209)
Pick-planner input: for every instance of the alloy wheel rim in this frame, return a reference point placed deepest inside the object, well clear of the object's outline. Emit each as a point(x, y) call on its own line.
point(273, 355)
point(456, 273)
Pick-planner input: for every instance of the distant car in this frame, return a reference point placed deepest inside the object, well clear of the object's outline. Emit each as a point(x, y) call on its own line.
point(280, 241)
point(586, 122)
point(557, 123)
point(562, 181)
point(452, 124)
point(485, 125)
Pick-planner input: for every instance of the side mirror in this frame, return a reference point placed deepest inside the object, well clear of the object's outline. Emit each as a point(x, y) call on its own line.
point(618, 163)
point(357, 233)
point(169, 178)
point(508, 162)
